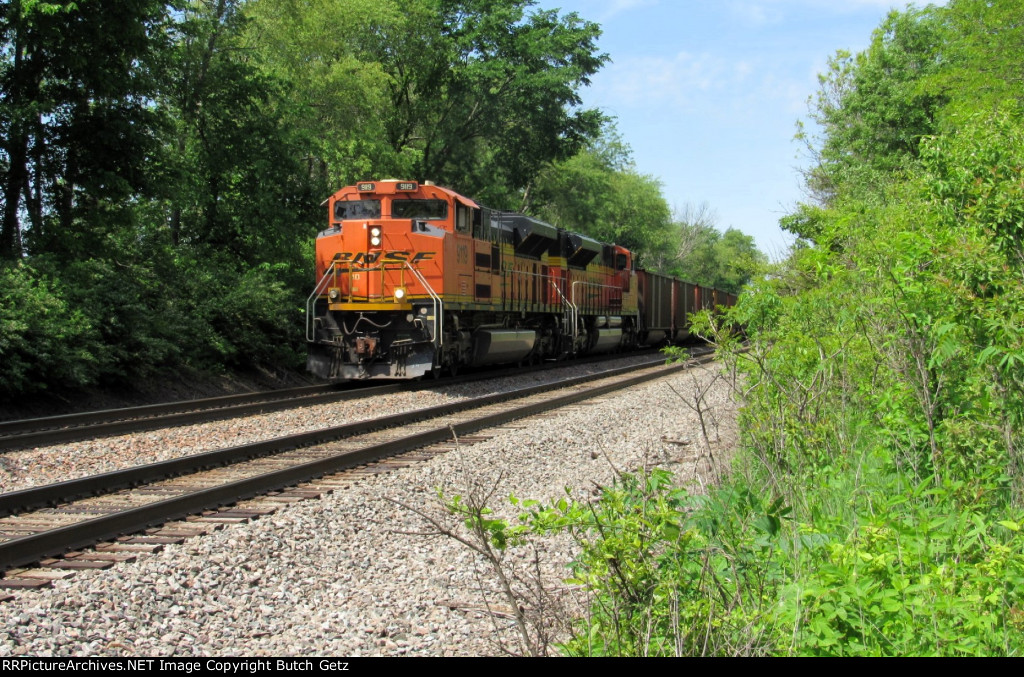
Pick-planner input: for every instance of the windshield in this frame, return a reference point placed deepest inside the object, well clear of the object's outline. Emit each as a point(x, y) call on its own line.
point(419, 209)
point(357, 209)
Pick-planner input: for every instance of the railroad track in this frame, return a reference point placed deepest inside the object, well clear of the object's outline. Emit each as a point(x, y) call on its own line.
point(42, 522)
point(106, 422)
point(38, 432)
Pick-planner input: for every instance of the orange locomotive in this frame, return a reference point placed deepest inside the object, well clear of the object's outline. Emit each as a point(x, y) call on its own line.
point(416, 279)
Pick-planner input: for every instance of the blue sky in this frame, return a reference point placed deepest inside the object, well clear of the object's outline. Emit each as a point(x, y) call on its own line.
point(708, 94)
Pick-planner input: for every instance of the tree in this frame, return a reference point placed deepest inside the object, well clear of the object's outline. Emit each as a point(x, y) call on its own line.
point(161, 165)
point(637, 216)
point(984, 47)
point(599, 193)
point(336, 91)
point(874, 107)
point(483, 94)
point(708, 257)
point(236, 184)
point(693, 221)
point(738, 260)
point(77, 122)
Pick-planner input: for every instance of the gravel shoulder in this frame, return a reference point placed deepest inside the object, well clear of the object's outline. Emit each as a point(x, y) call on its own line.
point(347, 574)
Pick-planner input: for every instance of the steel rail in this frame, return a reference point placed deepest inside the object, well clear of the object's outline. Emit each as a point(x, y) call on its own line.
point(31, 548)
point(95, 485)
point(105, 423)
point(106, 415)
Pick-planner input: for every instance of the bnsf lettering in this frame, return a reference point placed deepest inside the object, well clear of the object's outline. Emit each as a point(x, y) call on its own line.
point(386, 257)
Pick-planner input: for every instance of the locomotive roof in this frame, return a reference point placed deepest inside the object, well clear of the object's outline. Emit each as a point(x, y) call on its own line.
point(518, 225)
point(393, 187)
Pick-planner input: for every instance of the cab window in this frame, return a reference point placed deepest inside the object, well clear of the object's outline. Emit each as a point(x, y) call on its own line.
point(428, 210)
point(356, 209)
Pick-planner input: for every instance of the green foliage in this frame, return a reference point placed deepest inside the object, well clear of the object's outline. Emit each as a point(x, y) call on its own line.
point(42, 339)
point(736, 573)
point(725, 261)
point(76, 126)
point(484, 93)
point(669, 573)
point(875, 106)
point(914, 581)
point(162, 166)
point(598, 192)
point(234, 181)
point(975, 175)
point(94, 321)
point(499, 532)
point(883, 372)
point(877, 505)
point(982, 52)
point(675, 354)
point(335, 88)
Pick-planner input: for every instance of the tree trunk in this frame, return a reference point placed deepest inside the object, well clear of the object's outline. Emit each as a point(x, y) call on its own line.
point(16, 146)
point(10, 229)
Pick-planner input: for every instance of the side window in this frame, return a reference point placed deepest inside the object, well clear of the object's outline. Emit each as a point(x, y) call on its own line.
point(463, 219)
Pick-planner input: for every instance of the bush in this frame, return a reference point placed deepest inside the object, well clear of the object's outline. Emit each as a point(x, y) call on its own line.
point(674, 574)
point(43, 340)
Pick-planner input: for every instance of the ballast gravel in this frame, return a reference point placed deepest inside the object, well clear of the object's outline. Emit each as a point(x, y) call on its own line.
point(21, 469)
point(360, 572)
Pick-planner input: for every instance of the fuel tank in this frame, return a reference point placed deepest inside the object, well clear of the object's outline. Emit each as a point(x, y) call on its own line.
point(498, 346)
point(607, 340)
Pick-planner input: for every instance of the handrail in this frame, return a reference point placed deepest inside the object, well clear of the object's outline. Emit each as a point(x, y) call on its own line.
point(310, 319)
point(438, 307)
point(572, 308)
point(592, 284)
point(511, 272)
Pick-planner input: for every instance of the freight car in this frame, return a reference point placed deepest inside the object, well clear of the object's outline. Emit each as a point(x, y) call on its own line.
point(414, 279)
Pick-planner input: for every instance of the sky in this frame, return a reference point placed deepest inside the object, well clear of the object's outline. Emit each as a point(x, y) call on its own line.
point(707, 93)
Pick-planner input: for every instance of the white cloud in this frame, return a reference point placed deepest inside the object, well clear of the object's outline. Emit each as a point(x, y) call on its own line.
point(616, 6)
point(689, 81)
point(645, 80)
point(755, 12)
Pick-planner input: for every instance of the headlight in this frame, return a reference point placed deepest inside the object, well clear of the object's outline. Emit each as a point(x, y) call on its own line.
point(399, 294)
point(375, 241)
point(375, 231)
point(333, 294)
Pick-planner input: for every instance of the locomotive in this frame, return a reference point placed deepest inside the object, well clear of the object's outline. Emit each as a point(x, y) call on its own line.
point(415, 279)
